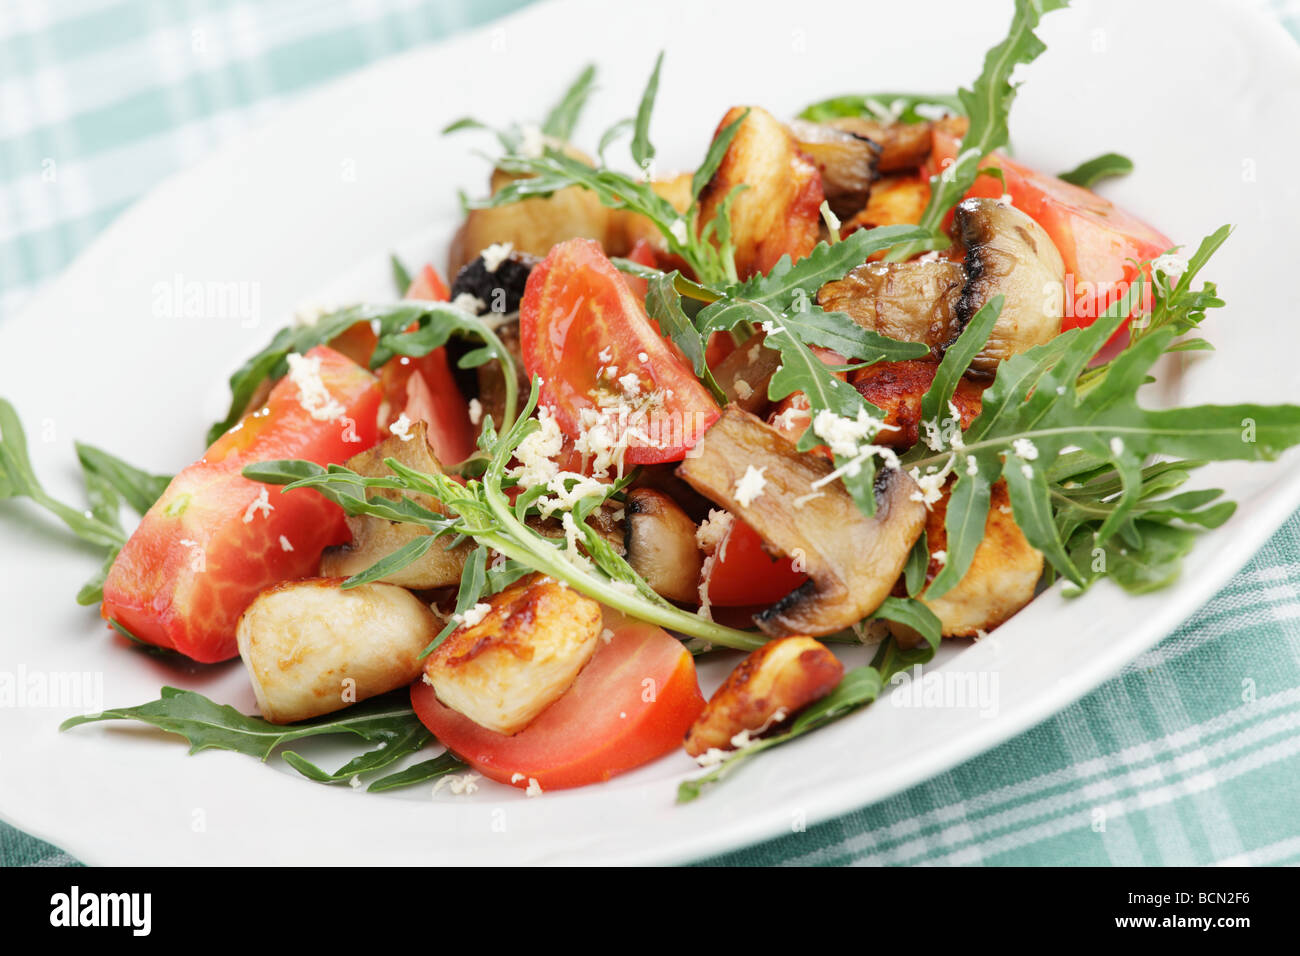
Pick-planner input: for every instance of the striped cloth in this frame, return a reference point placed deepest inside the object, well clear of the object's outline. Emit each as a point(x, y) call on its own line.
point(1190, 756)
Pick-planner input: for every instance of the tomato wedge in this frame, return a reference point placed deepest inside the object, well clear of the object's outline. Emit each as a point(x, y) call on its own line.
point(741, 573)
point(585, 333)
point(210, 543)
point(429, 286)
point(1096, 238)
point(632, 703)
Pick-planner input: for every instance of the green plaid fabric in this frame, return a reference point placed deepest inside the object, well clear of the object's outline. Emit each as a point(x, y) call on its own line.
point(1190, 756)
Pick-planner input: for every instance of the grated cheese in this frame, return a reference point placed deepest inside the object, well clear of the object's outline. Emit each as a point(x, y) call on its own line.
point(261, 504)
point(402, 427)
point(496, 254)
point(313, 396)
point(750, 485)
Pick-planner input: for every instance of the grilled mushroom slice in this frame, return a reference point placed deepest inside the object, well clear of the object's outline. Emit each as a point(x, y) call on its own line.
point(902, 145)
point(852, 560)
point(846, 161)
point(660, 542)
point(375, 538)
point(1009, 254)
point(908, 301)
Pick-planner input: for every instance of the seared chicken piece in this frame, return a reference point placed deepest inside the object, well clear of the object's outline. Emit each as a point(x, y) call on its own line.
point(532, 225)
point(779, 213)
point(1001, 579)
point(894, 201)
point(1008, 254)
point(660, 544)
point(375, 538)
point(769, 686)
point(515, 654)
point(908, 301)
point(312, 648)
point(628, 227)
point(896, 388)
point(852, 560)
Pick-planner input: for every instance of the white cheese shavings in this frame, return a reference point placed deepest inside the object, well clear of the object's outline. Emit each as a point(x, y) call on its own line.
point(468, 302)
point(750, 485)
point(496, 254)
point(533, 142)
point(845, 436)
point(535, 452)
point(1117, 445)
point(473, 615)
point(940, 556)
point(972, 466)
point(534, 788)
point(804, 499)
point(930, 487)
point(475, 412)
point(742, 389)
point(631, 384)
point(284, 544)
point(1024, 449)
point(402, 427)
point(458, 784)
point(313, 396)
point(606, 355)
point(678, 230)
point(1169, 264)
point(713, 529)
point(791, 418)
point(1027, 471)
point(260, 504)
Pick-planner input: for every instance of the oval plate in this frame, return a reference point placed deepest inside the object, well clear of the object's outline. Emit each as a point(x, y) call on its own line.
point(360, 168)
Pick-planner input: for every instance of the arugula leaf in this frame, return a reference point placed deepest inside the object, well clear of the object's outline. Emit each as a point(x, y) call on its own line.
point(412, 739)
point(663, 303)
point(423, 772)
point(713, 158)
point(884, 107)
point(1105, 166)
point(208, 725)
point(988, 104)
point(563, 117)
point(139, 488)
point(642, 149)
point(401, 276)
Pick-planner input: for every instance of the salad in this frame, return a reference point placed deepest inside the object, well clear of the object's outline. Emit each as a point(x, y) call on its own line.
point(859, 378)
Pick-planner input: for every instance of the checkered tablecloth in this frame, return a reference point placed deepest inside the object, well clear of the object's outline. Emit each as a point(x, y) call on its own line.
point(1190, 756)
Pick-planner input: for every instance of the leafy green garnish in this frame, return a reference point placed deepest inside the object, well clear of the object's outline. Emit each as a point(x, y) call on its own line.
point(988, 104)
point(884, 107)
point(1105, 166)
point(387, 721)
point(561, 121)
point(422, 772)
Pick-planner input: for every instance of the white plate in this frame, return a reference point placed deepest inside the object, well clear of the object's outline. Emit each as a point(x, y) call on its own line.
point(1202, 96)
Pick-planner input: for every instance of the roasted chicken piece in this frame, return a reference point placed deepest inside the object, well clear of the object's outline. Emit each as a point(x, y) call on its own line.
point(375, 538)
point(532, 225)
point(896, 388)
point(1001, 579)
point(757, 474)
point(660, 543)
point(769, 686)
point(312, 648)
point(778, 214)
point(894, 201)
point(515, 654)
point(908, 301)
point(1008, 254)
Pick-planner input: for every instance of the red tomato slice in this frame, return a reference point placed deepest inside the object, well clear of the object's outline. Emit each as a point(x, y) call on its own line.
point(644, 254)
point(741, 573)
point(195, 562)
point(1095, 238)
point(428, 285)
point(577, 321)
point(432, 396)
point(632, 703)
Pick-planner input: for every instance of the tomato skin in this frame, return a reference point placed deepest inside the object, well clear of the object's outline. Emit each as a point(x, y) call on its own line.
point(194, 564)
point(1096, 239)
point(429, 286)
point(644, 254)
point(602, 726)
point(575, 306)
point(741, 573)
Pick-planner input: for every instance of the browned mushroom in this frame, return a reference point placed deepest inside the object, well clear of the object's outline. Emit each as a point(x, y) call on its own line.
point(846, 161)
point(375, 538)
point(908, 301)
point(660, 542)
point(1008, 254)
point(903, 146)
point(852, 560)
